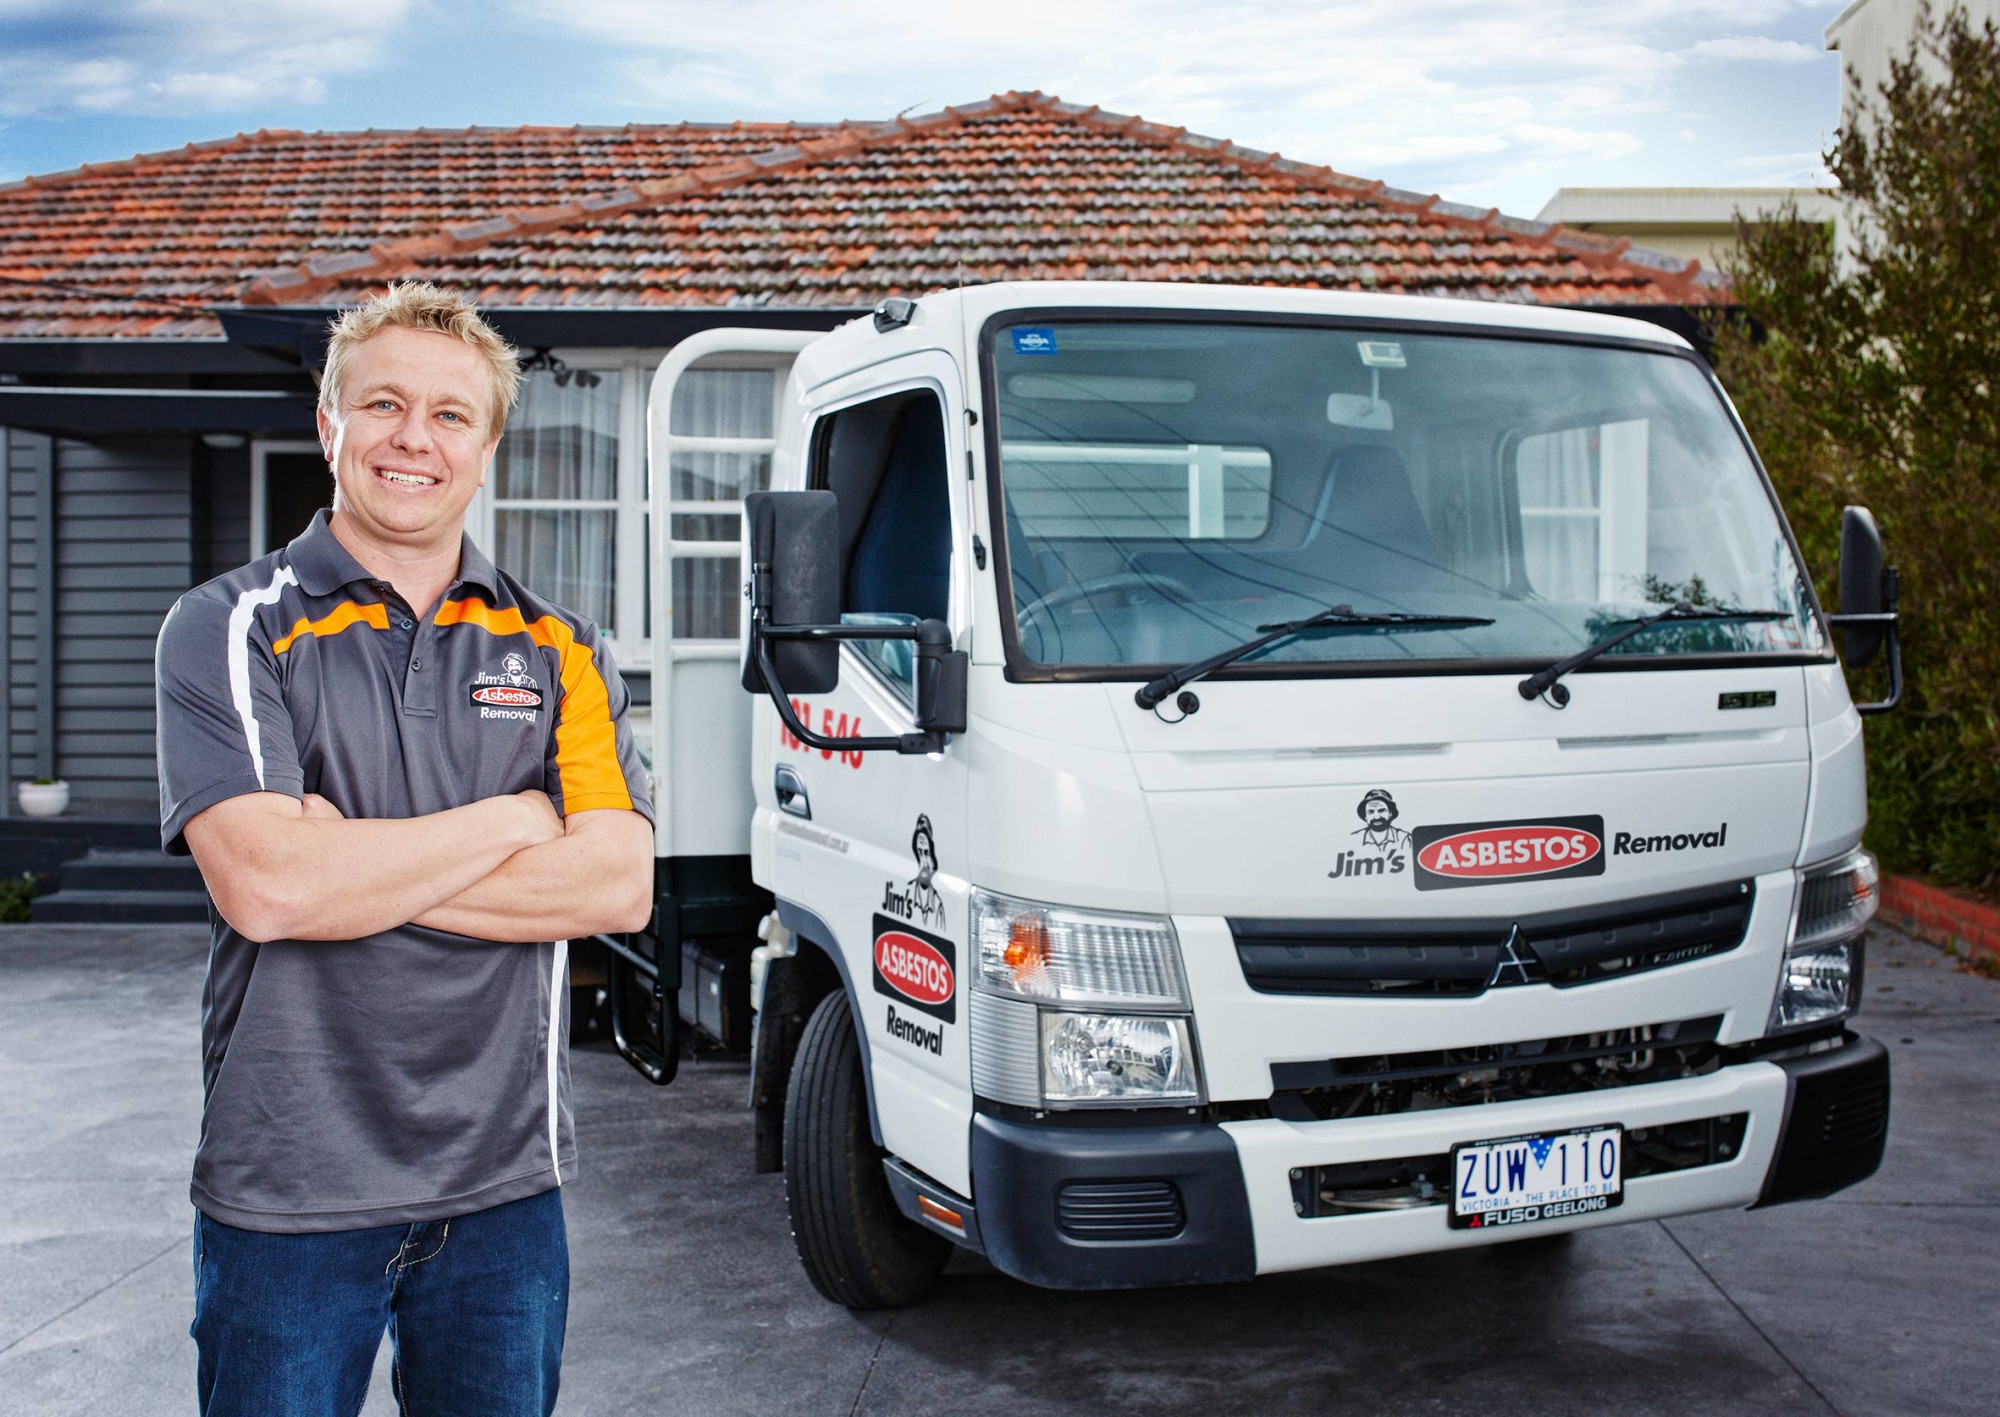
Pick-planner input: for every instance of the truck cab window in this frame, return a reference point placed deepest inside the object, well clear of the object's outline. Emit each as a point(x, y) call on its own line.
point(886, 461)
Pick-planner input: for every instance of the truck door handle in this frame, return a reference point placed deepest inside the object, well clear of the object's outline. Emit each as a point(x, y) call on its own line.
point(791, 789)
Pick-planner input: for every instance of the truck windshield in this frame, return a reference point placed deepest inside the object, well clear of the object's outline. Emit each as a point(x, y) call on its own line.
point(1170, 487)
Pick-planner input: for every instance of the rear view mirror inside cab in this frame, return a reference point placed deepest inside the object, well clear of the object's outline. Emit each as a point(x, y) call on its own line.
point(1370, 410)
point(1360, 411)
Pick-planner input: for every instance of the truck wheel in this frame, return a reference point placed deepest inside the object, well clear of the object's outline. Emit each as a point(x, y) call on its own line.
point(857, 1247)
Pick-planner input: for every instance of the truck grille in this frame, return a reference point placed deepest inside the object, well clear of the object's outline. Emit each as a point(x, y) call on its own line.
point(1120, 1210)
point(1465, 958)
point(1389, 1083)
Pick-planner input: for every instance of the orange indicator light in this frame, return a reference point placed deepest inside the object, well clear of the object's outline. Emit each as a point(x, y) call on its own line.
point(1027, 949)
point(931, 1210)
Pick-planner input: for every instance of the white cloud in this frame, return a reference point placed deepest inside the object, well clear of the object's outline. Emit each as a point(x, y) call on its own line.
point(1754, 49)
point(183, 56)
point(1481, 96)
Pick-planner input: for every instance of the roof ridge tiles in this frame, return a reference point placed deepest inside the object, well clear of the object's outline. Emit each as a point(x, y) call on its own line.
point(313, 276)
point(810, 144)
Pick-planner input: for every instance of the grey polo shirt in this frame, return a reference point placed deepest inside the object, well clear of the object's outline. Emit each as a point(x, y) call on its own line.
point(415, 1074)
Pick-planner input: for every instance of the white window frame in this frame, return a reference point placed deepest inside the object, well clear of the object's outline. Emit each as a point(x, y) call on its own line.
point(1621, 511)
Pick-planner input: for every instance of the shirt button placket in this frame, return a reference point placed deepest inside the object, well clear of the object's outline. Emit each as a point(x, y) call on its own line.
point(419, 688)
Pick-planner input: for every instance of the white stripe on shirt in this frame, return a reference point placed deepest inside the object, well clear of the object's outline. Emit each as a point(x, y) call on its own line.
point(240, 621)
point(558, 986)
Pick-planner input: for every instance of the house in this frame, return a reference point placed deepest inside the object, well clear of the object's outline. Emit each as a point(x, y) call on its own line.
point(1694, 223)
point(161, 319)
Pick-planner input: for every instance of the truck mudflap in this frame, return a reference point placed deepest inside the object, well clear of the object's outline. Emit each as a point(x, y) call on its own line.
point(1836, 1121)
point(1111, 1207)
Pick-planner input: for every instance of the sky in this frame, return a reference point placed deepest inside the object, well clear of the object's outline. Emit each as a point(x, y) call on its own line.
point(1496, 103)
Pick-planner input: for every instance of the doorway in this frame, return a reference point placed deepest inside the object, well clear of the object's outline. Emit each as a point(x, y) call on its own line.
point(288, 483)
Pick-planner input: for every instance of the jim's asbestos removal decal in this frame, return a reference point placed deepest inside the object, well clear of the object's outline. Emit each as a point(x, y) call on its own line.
point(918, 970)
point(1488, 853)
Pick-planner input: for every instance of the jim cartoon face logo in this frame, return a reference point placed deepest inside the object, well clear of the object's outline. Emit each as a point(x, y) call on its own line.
point(513, 693)
point(1380, 846)
point(918, 899)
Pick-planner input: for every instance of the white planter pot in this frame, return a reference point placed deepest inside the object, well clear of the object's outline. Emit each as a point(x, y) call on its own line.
point(42, 799)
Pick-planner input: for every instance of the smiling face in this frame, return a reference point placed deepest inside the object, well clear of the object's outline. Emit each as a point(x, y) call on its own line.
point(410, 439)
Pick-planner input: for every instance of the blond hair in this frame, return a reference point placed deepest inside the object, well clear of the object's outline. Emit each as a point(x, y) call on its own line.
point(420, 305)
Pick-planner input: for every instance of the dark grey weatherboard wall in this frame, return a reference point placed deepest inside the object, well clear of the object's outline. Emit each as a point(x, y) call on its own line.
point(99, 547)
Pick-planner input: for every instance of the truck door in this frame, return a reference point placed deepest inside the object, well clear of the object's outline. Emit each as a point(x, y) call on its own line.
point(881, 857)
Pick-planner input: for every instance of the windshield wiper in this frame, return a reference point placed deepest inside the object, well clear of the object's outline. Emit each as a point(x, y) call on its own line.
point(1339, 617)
point(1539, 683)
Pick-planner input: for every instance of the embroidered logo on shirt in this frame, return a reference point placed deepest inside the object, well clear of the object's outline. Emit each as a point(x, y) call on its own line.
point(512, 693)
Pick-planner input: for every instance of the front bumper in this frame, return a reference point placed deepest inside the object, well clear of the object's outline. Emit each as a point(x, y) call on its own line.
point(1094, 1206)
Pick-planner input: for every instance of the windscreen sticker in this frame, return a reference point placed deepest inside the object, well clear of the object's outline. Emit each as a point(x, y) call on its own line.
point(1494, 853)
point(916, 969)
point(1034, 339)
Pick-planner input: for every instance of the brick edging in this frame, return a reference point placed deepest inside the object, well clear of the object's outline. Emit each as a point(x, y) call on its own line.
point(1958, 922)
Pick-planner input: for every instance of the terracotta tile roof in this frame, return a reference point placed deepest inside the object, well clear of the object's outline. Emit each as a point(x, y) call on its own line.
point(1020, 186)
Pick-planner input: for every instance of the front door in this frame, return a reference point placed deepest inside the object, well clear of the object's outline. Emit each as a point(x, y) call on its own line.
point(894, 888)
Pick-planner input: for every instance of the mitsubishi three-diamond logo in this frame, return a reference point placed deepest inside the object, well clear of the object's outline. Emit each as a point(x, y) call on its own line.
point(1515, 963)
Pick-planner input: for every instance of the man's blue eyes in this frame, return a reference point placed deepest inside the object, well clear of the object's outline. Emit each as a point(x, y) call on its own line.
point(391, 403)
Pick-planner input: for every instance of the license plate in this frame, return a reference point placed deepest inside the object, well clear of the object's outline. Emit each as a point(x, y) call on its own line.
point(1519, 1180)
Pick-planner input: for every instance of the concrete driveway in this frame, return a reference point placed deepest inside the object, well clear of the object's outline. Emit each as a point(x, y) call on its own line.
point(688, 1299)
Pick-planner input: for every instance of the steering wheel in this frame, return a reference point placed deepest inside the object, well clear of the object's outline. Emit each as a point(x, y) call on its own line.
point(1127, 587)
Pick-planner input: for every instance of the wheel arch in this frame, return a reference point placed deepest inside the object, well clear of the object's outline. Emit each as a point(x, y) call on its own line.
point(814, 932)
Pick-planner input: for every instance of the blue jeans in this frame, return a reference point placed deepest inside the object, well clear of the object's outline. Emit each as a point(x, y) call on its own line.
point(288, 1325)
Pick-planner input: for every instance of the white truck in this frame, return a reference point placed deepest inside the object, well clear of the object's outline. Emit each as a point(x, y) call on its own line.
point(1242, 780)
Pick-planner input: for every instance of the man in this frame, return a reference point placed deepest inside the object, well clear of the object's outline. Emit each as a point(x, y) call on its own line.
point(408, 783)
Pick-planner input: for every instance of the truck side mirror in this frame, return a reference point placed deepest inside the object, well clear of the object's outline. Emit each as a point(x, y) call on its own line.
point(941, 676)
point(794, 565)
point(1862, 590)
point(792, 633)
point(1868, 594)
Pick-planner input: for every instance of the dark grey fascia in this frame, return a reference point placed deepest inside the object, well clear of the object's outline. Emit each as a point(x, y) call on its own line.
point(98, 413)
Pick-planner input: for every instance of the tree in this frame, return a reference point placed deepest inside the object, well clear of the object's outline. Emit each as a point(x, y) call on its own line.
point(1874, 382)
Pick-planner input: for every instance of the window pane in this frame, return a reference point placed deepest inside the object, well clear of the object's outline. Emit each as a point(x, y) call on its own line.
point(570, 557)
point(708, 593)
point(719, 477)
point(725, 403)
point(562, 442)
point(721, 526)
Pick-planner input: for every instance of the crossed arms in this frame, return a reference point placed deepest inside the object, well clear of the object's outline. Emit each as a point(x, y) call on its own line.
point(504, 869)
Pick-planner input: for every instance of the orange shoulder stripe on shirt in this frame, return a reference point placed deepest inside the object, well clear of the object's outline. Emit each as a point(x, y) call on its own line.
point(334, 621)
point(586, 740)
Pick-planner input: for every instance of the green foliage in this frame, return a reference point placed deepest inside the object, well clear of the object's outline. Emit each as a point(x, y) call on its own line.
point(1875, 385)
point(15, 893)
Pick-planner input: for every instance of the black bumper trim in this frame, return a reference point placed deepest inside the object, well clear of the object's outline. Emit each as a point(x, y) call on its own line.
point(1019, 1168)
point(1836, 1121)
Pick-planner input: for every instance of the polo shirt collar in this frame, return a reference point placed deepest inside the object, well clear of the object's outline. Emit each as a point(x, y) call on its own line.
point(323, 565)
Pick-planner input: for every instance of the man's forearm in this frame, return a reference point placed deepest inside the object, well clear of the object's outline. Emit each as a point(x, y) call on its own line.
point(277, 871)
point(598, 877)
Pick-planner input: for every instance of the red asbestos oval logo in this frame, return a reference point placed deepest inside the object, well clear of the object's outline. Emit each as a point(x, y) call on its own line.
point(1489, 853)
point(913, 967)
point(505, 696)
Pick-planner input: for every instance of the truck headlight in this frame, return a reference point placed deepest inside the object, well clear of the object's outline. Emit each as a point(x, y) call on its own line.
point(1130, 1058)
point(1079, 1007)
point(1821, 979)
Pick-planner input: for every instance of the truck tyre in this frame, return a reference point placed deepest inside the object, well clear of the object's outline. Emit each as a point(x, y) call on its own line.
point(857, 1247)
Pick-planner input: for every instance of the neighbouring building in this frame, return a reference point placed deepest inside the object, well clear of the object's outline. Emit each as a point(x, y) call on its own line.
point(161, 320)
point(1693, 223)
